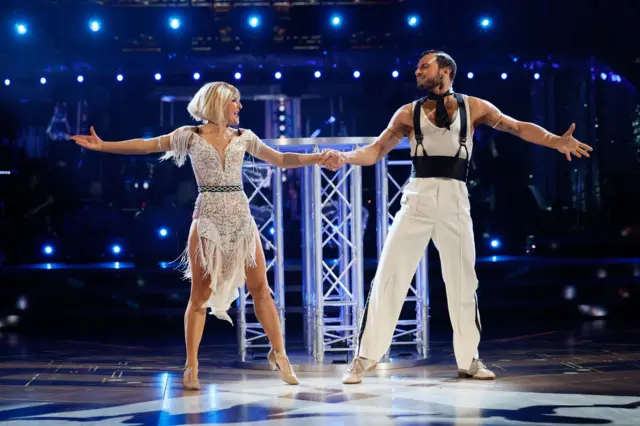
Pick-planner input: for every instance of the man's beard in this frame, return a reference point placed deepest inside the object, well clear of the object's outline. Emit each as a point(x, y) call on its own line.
point(431, 84)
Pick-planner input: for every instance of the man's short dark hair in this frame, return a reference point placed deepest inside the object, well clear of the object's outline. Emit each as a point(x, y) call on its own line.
point(444, 60)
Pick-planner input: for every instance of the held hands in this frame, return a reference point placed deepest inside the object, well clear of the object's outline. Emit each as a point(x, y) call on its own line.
point(92, 142)
point(568, 145)
point(331, 159)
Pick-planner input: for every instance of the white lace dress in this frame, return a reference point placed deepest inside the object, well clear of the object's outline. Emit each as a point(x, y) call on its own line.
point(228, 233)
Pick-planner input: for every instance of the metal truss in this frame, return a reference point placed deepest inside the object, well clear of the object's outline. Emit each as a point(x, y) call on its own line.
point(333, 260)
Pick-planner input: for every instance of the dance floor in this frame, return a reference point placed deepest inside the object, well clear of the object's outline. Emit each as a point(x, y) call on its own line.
point(548, 377)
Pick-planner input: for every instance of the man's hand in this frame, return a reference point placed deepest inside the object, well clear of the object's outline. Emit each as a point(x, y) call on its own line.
point(569, 145)
point(332, 159)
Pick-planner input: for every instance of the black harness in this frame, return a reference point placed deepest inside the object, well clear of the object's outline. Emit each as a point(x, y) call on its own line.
point(441, 166)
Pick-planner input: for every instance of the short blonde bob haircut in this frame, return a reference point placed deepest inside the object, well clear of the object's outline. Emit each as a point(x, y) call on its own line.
point(209, 104)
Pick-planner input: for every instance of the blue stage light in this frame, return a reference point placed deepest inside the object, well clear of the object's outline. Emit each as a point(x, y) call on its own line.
point(485, 23)
point(254, 21)
point(174, 23)
point(21, 28)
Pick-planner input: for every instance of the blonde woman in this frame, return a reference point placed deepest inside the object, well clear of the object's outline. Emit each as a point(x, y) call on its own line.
point(224, 248)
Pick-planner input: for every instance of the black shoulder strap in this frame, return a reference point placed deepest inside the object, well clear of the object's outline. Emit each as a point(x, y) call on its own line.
point(417, 130)
point(464, 123)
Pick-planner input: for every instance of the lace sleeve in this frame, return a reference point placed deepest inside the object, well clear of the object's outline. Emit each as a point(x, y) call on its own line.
point(180, 142)
point(254, 144)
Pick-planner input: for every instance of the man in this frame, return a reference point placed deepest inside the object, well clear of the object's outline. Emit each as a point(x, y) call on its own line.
point(435, 205)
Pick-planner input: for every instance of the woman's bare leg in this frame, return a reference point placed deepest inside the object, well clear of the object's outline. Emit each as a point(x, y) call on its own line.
point(264, 305)
point(267, 314)
point(195, 315)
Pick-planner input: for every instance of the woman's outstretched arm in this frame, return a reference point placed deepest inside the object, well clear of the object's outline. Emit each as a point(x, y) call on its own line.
point(132, 146)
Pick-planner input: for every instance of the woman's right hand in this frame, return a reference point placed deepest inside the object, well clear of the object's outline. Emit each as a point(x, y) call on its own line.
point(92, 142)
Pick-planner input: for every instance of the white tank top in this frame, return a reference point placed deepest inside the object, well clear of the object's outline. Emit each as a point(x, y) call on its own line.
point(441, 141)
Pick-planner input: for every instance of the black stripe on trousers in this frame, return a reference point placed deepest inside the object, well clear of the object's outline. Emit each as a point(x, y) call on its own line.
point(364, 319)
point(478, 324)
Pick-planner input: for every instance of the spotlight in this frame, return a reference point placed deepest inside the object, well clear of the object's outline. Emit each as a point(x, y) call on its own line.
point(116, 249)
point(145, 185)
point(7, 82)
point(536, 76)
point(470, 75)
point(336, 20)
point(272, 230)
point(21, 29)
point(237, 75)
point(485, 22)
point(158, 76)
point(174, 23)
point(196, 76)
point(43, 80)
point(80, 79)
point(356, 74)
point(395, 74)
point(163, 232)
point(94, 26)
point(413, 20)
point(504, 76)
point(495, 243)
point(278, 75)
point(254, 21)
point(22, 303)
point(317, 74)
point(48, 250)
point(119, 77)
point(603, 76)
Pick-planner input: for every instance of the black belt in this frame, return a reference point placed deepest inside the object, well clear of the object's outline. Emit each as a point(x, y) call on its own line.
point(233, 188)
point(440, 167)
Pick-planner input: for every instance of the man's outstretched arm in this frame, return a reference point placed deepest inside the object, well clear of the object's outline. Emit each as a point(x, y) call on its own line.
point(399, 127)
point(487, 114)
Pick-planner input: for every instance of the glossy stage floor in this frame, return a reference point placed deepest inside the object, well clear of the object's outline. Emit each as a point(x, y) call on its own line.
point(587, 375)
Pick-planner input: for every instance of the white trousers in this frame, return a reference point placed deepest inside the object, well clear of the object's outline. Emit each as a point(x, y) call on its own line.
point(438, 209)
